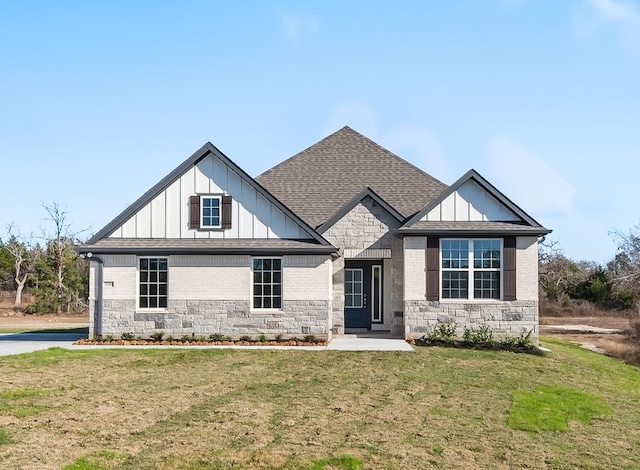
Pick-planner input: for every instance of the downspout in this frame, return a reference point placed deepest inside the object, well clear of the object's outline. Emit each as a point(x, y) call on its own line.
point(97, 310)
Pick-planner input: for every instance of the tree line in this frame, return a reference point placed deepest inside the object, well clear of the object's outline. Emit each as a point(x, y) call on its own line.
point(46, 266)
point(612, 285)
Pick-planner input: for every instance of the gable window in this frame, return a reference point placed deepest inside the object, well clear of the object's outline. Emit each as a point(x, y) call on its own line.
point(153, 285)
point(471, 269)
point(211, 211)
point(267, 283)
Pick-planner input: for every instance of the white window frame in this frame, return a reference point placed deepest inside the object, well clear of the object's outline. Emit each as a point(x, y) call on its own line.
point(471, 270)
point(252, 284)
point(150, 309)
point(202, 216)
point(380, 319)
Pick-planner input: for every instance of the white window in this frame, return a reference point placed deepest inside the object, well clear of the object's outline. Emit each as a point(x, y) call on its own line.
point(471, 269)
point(353, 287)
point(267, 283)
point(153, 284)
point(211, 211)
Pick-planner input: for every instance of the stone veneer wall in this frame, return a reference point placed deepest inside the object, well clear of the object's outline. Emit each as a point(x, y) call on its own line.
point(367, 226)
point(504, 318)
point(211, 294)
point(203, 317)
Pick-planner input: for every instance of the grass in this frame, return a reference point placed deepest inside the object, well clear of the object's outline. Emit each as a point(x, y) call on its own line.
point(551, 409)
point(219, 409)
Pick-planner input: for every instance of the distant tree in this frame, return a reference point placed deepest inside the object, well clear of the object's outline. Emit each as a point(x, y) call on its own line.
point(61, 256)
point(625, 266)
point(558, 275)
point(24, 258)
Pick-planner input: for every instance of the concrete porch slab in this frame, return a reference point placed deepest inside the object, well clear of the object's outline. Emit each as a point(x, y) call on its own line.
point(367, 342)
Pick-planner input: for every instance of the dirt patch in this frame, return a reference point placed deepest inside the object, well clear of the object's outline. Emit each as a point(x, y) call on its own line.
point(601, 331)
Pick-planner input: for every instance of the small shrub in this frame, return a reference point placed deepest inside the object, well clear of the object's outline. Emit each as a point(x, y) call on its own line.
point(310, 339)
point(157, 336)
point(279, 338)
point(202, 339)
point(226, 338)
point(294, 338)
point(443, 333)
point(185, 338)
point(138, 338)
point(216, 337)
point(127, 336)
point(246, 338)
point(108, 338)
point(482, 336)
point(170, 338)
point(262, 338)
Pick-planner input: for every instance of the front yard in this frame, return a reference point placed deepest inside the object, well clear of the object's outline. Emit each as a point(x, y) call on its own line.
point(435, 408)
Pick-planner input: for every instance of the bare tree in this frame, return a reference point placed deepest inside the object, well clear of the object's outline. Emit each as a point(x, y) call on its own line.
point(24, 260)
point(61, 243)
point(625, 266)
point(557, 273)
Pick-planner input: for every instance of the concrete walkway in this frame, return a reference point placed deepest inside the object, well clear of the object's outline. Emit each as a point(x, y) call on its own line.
point(19, 343)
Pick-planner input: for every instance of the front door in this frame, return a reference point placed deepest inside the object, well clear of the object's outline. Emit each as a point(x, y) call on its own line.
point(362, 293)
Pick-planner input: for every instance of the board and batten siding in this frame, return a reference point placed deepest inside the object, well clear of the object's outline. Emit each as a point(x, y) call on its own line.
point(253, 216)
point(470, 203)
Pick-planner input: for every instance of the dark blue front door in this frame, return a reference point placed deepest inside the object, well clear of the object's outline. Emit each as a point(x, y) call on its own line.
point(357, 294)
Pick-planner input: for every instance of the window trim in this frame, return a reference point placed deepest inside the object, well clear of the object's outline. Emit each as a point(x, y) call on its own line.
point(150, 309)
point(471, 270)
point(252, 286)
point(210, 196)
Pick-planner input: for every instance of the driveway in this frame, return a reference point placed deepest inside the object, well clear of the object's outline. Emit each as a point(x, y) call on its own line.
point(19, 343)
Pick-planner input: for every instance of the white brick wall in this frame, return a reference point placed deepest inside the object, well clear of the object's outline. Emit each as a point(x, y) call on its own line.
point(209, 282)
point(306, 278)
point(415, 277)
point(119, 277)
point(527, 268)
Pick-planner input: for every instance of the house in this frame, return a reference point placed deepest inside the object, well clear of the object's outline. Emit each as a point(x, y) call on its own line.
point(344, 236)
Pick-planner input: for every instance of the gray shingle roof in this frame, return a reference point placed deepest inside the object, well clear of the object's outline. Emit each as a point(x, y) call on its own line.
point(317, 182)
point(470, 228)
point(205, 246)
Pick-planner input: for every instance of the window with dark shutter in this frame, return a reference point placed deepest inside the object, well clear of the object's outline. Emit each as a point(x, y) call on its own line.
point(433, 268)
point(226, 212)
point(509, 268)
point(194, 212)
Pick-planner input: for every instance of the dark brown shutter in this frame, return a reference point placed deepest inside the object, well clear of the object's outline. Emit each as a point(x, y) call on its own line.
point(226, 212)
point(433, 268)
point(509, 268)
point(194, 212)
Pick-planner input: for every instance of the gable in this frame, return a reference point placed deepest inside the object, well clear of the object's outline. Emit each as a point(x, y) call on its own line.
point(471, 206)
point(164, 211)
point(470, 203)
point(363, 226)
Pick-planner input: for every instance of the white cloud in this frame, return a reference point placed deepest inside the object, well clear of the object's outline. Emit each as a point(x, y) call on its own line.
point(528, 180)
point(297, 27)
point(592, 15)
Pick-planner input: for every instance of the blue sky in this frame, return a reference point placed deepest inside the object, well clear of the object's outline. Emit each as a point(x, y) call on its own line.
point(100, 100)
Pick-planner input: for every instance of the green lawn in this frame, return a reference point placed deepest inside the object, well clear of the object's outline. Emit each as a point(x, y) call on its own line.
point(216, 409)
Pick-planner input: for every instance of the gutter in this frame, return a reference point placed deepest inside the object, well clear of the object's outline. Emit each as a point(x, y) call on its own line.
point(97, 311)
